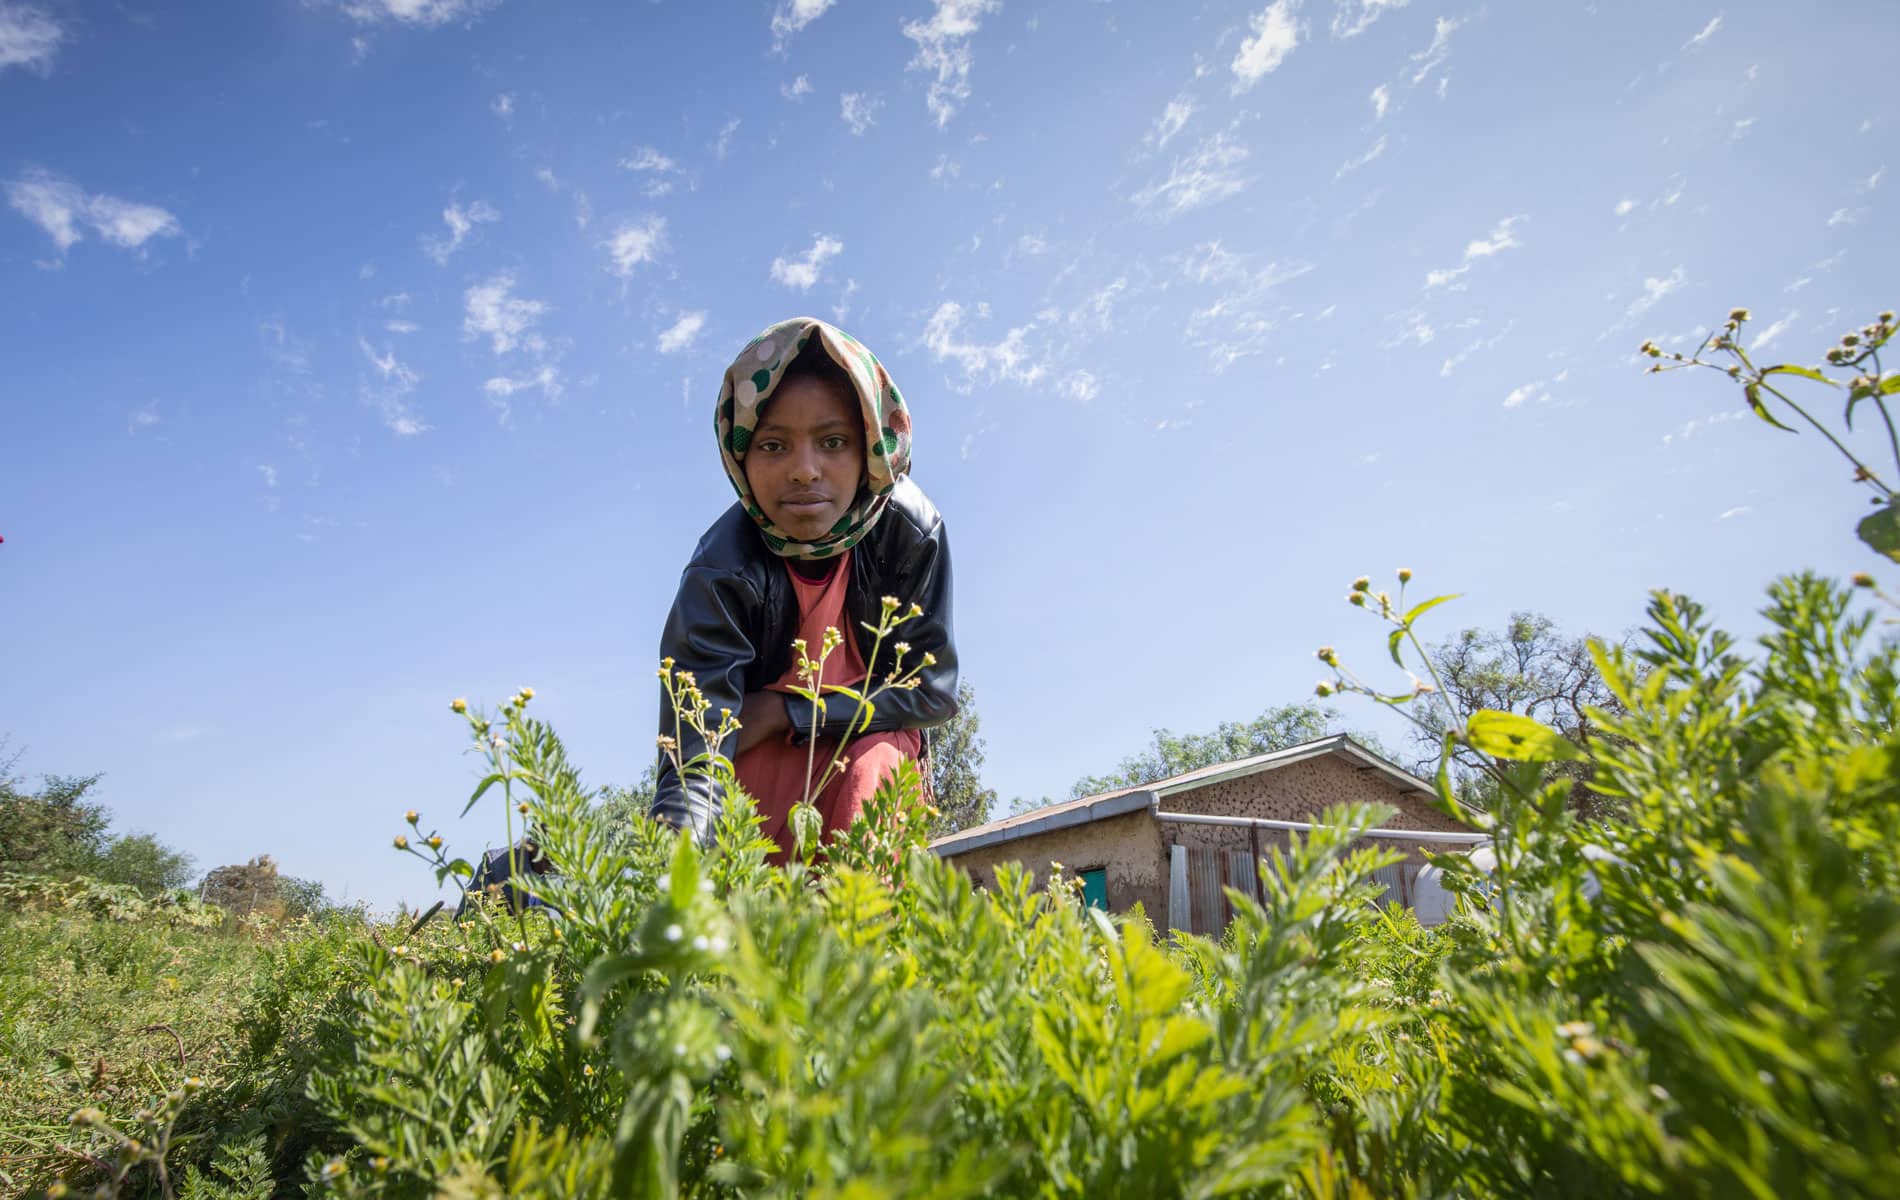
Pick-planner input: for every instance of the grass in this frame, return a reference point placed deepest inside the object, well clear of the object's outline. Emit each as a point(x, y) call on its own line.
point(114, 1014)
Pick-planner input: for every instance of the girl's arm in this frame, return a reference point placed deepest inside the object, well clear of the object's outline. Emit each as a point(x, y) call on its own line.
point(707, 634)
point(923, 577)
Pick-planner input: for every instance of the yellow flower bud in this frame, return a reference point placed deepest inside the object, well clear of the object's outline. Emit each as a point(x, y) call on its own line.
point(497, 956)
point(1405, 574)
point(1863, 580)
point(1361, 584)
point(527, 694)
point(435, 843)
point(1738, 314)
point(459, 705)
point(402, 843)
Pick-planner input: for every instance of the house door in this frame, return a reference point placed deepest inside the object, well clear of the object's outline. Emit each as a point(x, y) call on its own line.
point(1197, 899)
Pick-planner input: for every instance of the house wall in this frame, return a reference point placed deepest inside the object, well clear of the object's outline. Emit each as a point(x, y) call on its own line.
point(1300, 791)
point(1134, 846)
point(1129, 846)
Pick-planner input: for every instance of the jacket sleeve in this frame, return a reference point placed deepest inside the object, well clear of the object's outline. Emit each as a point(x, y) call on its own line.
point(922, 578)
point(707, 634)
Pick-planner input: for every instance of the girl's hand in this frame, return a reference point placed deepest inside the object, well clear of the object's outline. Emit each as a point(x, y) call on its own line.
point(763, 718)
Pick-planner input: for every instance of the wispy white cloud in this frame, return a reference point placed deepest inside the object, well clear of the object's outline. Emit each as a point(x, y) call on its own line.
point(65, 210)
point(681, 334)
point(1080, 386)
point(946, 169)
point(802, 272)
point(1625, 207)
point(659, 170)
point(502, 388)
point(1740, 128)
point(1518, 395)
point(636, 242)
point(1654, 290)
point(943, 49)
point(1695, 425)
point(1740, 510)
point(389, 390)
point(1353, 164)
point(269, 473)
point(842, 308)
point(503, 105)
point(792, 16)
point(723, 146)
point(646, 158)
point(29, 38)
point(1276, 33)
point(142, 418)
point(1773, 331)
point(1009, 358)
point(1431, 57)
point(796, 88)
point(461, 222)
point(1843, 216)
point(1169, 122)
point(427, 14)
point(1501, 239)
point(1708, 31)
point(1381, 100)
point(1241, 312)
point(583, 208)
point(1353, 17)
point(1413, 327)
point(1477, 346)
point(1209, 174)
point(859, 111)
point(401, 326)
point(493, 311)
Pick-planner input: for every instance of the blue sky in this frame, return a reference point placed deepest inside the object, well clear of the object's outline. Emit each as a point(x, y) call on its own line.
point(361, 355)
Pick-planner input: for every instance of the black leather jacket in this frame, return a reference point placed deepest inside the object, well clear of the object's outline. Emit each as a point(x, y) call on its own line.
point(735, 616)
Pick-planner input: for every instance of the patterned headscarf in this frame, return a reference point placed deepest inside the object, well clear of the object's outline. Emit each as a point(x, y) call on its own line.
point(748, 385)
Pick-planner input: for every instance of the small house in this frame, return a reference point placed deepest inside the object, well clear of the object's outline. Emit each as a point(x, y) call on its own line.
point(1174, 844)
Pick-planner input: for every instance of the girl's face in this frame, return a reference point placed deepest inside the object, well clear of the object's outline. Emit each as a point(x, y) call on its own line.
point(806, 459)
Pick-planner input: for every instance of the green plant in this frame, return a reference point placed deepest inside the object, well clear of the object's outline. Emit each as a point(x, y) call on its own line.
point(1857, 351)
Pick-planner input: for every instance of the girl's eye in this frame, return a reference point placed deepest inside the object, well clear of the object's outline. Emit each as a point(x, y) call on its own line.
point(769, 445)
point(836, 443)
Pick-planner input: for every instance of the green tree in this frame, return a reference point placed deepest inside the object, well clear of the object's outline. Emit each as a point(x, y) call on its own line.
point(54, 831)
point(1173, 754)
point(144, 862)
point(625, 807)
point(1531, 668)
point(956, 769)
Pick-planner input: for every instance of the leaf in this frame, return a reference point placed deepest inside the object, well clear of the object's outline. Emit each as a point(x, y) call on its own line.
point(1753, 392)
point(684, 873)
point(1881, 529)
point(1854, 396)
point(1392, 643)
point(1509, 735)
point(1424, 606)
point(1803, 372)
point(485, 784)
point(1890, 384)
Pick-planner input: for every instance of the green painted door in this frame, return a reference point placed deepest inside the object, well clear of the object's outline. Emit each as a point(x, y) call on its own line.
point(1095, 888)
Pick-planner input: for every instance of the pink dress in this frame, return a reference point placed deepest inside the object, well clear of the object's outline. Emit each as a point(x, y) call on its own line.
point(775, 772)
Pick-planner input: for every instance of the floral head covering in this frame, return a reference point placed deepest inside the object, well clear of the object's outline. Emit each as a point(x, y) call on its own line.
point(748, 385)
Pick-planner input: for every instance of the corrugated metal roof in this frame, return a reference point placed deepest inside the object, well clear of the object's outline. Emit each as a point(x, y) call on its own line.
point(1125, 800)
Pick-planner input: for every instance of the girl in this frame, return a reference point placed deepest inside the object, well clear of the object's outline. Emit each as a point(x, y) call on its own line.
point(816, 441)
